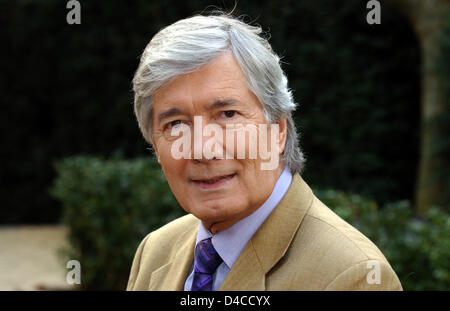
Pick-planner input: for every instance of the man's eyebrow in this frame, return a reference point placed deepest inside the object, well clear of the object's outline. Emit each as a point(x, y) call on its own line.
point(168, 113)
point(221, 103)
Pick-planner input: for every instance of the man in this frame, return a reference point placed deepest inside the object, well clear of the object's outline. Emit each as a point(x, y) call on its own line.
point(251, 226)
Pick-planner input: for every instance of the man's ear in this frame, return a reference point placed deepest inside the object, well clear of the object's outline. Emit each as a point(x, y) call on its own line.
point(156, 153)
point(154, 148)
point(282, 134)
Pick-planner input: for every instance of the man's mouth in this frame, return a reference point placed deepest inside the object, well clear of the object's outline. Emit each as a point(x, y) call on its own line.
point(213, 181)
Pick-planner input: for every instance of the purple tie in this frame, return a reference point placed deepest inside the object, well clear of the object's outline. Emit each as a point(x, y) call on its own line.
point(205, 263)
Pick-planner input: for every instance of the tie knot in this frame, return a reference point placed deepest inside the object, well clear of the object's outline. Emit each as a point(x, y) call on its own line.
point(206, 257)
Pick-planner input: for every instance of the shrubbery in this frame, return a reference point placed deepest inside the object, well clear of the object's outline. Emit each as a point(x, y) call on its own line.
point(418, 248)
point(110, 205)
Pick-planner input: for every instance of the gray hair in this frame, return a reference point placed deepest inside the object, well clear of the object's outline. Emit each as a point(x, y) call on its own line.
point(188, 44)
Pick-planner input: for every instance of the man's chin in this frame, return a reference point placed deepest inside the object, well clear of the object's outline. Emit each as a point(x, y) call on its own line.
point(217, 217)
point(212, 214)
point(217, 225)
point(209, 215)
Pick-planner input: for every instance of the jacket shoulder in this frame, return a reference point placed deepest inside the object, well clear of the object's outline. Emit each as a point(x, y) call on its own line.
point(333, 228)
point(161, 242)
point(156, 249)
point(173, 229)
point(350, 256)
point(329, 253)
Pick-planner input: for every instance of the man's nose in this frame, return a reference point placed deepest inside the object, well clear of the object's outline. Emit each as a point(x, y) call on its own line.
point(208, 142)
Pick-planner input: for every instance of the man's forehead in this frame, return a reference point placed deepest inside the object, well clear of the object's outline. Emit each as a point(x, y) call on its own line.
point(223, 74)
point(202, 87)
point(180, 95)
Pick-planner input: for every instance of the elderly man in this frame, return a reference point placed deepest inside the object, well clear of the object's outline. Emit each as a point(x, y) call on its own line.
point(250, 226)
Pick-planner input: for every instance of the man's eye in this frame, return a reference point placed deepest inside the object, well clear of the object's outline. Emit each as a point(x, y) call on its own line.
point(229, 113)
point(173, 124)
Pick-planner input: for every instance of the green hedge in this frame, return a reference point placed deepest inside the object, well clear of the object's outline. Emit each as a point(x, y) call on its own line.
point(417, 247)
point(110, 205)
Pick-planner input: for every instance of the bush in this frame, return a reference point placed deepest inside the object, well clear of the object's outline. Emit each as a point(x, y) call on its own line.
point(418, 248)
point(109, 206)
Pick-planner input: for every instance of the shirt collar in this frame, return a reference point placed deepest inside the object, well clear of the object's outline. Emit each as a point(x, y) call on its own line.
point(230, 242)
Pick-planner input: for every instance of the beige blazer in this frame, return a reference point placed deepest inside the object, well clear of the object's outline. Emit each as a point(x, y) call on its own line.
point(302, 245)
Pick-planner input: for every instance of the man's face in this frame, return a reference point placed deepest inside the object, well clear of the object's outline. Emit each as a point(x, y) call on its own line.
point(218, 191)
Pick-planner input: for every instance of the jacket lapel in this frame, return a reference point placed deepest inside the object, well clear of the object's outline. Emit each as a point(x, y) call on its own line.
point(271, 241)
point(172, 275)
point(247, 272)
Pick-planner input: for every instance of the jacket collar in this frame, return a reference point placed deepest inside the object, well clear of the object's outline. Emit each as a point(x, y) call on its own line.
point(271, 241)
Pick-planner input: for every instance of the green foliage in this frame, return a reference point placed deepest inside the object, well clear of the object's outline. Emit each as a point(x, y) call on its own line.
point(109, 206)
point(418, 248)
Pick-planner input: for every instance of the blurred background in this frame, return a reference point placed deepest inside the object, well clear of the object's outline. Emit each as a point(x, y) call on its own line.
point(77, 179)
